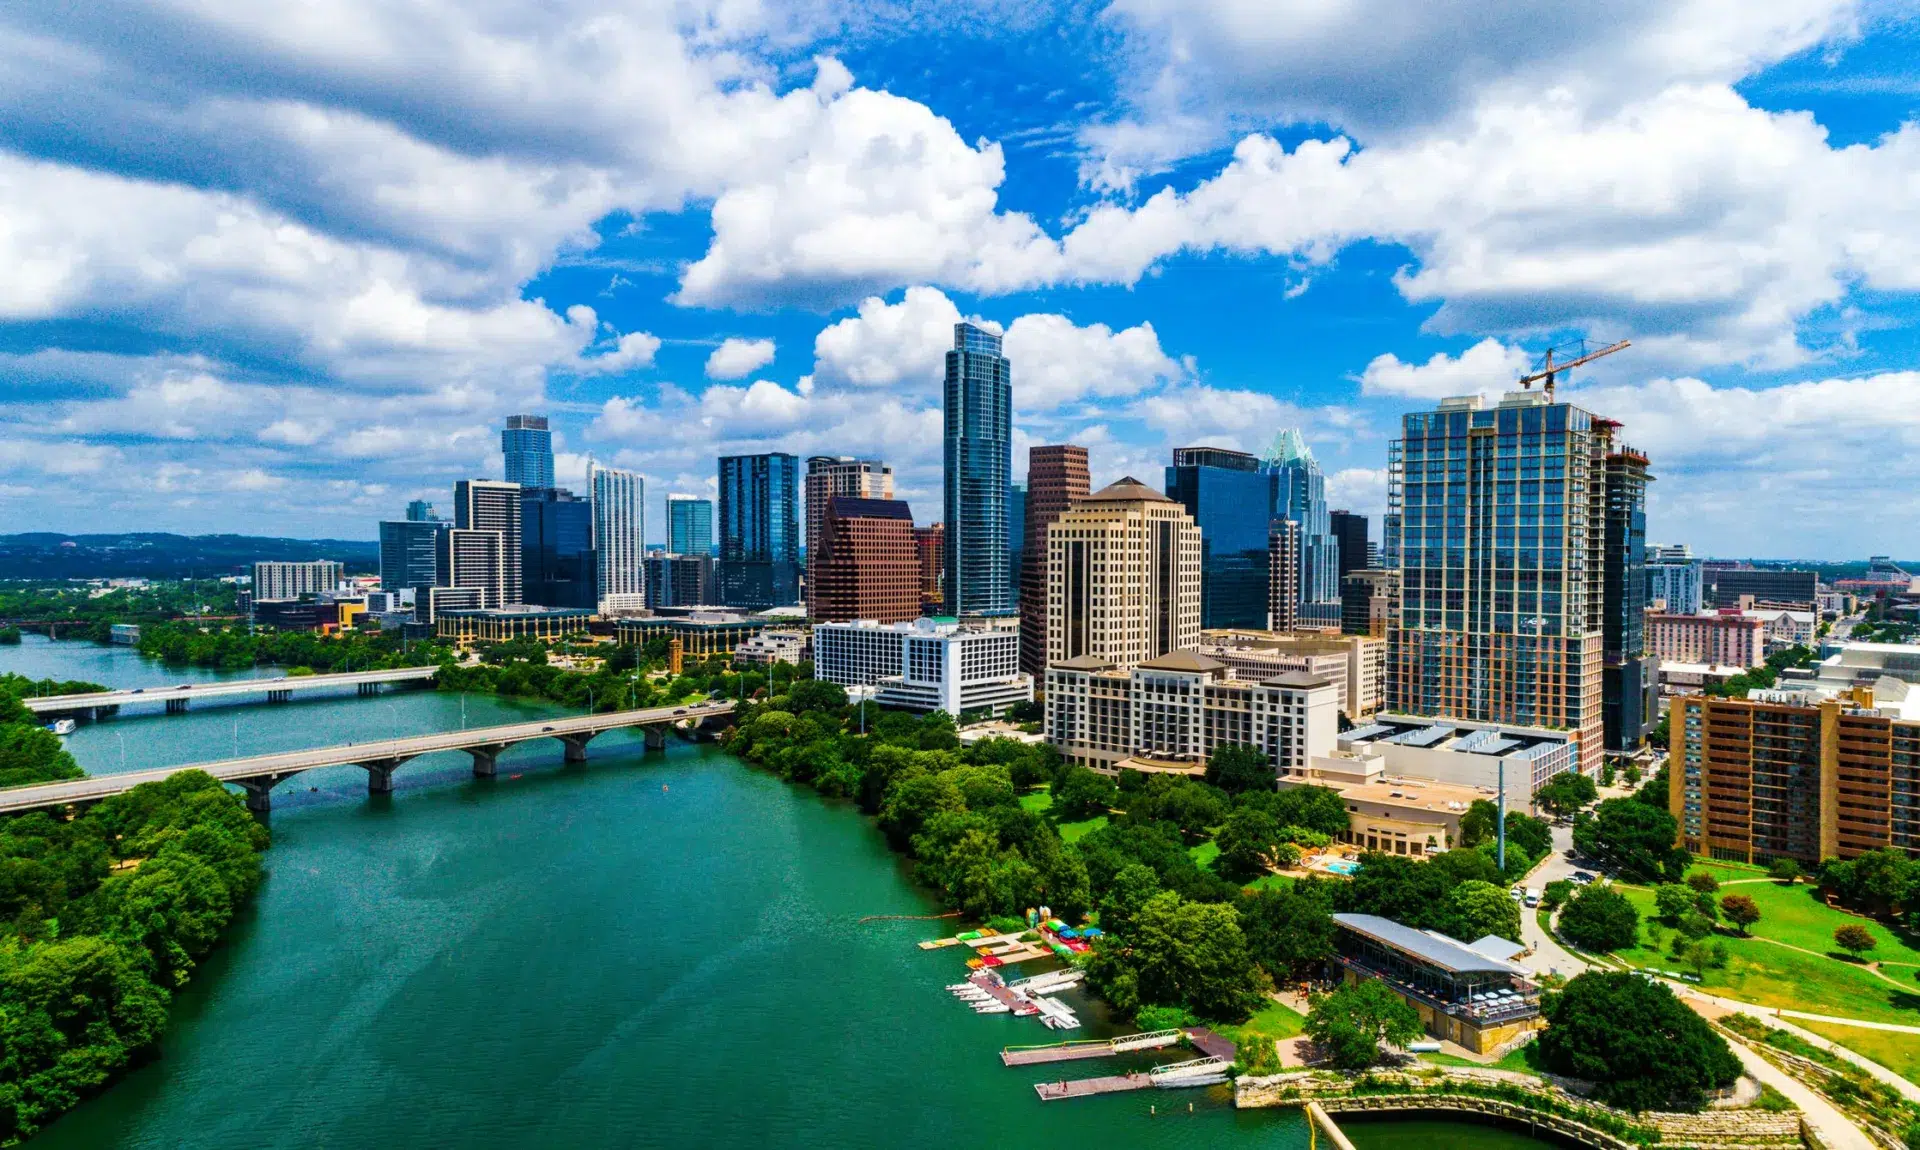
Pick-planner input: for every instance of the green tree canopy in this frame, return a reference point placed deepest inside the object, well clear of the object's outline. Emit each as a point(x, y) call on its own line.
point(1641, 1047)
point(1476, 909)
point(1235, 768)
point(1350, 1024)
point(1566, 793)
point(1289, 931)
point(1180, 953)
point(1081, 794)
point(1600, 919)
point(1636, 838)
point(1248, 842)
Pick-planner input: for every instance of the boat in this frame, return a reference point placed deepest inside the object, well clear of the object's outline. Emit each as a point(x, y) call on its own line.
point(61, 726)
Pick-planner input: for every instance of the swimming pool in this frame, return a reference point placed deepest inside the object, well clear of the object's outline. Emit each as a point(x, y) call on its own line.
point(1344, 866)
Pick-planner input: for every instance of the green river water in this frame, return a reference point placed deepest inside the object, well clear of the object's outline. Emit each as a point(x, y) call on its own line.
point(645, 950)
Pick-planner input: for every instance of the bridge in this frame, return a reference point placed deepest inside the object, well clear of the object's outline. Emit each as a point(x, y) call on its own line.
point(259, 774)
point(277, 690)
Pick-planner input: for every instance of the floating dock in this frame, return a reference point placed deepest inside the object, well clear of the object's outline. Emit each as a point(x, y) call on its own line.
point(1174, 1076)
point(1074, 1051)
point(1087, 1087)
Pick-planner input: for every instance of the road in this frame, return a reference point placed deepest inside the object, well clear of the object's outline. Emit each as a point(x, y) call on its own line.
point(55, 704)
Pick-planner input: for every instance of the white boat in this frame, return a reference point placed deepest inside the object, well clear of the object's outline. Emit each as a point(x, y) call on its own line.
point(61, 726)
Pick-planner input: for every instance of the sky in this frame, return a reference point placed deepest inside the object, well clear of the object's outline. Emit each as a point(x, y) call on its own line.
point(280, 269)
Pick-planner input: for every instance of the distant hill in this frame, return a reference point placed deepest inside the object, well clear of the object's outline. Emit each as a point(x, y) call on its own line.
point(153, 555)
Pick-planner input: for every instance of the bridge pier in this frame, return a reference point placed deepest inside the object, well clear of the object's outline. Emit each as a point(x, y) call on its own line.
point(259, 794)
point(656, 737)
point(577, 746)
point(369, 688)
point(176, 706)
point(486, 761)
point(279, 696)
point(380, 774)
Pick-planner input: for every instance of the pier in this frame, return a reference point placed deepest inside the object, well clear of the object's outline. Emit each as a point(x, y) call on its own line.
point(1207, 1071)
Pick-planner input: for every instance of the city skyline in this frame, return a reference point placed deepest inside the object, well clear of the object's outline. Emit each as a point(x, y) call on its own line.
point(672, 298)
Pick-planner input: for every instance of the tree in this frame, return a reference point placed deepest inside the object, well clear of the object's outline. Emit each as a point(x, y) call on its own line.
point(1566, 793)
point(1477, 909)
point(1350, 1024)
point(1288, 931)
point(1130, 889)
point(1785, 870)
point(1556, 893)
point(1672, 901)
point(1703, 882)
point(1247, 841)
point(1740, 910)
point(1641, 1047)
point(1082, 794)
point(1180, 953)
point(817, 695)
point(1636, 838)
point(1854, 939)
point(1600, 919)
point(1316, 808)
point(1235, 768)
point(1396, 887)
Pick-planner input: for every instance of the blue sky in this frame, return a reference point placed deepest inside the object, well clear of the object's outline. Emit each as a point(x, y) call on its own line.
point(282, 272)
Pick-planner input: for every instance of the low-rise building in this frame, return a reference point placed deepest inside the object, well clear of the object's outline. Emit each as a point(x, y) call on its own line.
point(1470, 993)
point(1174, 711)
point(1485, 756)
point(501, 624)
point(124, 634)
point(770, 647)
point(704, 632)
point(1849, 664)
point(1732, 639)
point(925, 665)
point(1692, 678)
point(1783, 628)
point(1356, 664)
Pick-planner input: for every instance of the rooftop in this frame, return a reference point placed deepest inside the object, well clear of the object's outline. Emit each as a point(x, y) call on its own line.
point(1183, 661)
point(1428, 946)
point(1126, 490)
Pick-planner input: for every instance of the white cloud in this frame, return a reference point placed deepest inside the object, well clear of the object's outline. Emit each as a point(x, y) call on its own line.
point(737, 358)
point(1056, 362)
point(1487, 366)
point(634, 349)
point(888, 345)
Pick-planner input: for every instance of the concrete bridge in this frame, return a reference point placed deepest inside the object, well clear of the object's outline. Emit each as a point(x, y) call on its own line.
point(259, 774)
point(277, 690)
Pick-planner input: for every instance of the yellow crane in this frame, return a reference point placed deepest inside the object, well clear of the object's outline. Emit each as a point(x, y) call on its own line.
point(1550, 371)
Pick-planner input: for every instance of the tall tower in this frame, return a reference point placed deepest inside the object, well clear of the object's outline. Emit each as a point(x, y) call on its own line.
point(619, 531)
point(528, 446)
point(1056, 477)
point(868, 566)
point(760, 530)
point(1496, 518)
point(689, 525)
point(1230, 497)
point(978, 450)
point(489, 505)
point(1629, 691)
point(1300, 494)
point(1123, 577)
point(1350, 542)
point(828, 476)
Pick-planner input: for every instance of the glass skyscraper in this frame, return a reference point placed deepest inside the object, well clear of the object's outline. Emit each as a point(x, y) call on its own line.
point(556, 548)
point(1230, 496)
point(1300, 494)
point(528, 447)
point(978, 456)
point(760, 530)
point(689, 525)
point(409, 550)
point(619, 533)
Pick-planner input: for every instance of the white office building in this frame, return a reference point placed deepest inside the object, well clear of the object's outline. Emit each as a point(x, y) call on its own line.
point(619, 532)
point(924, 665)
point(282, 580)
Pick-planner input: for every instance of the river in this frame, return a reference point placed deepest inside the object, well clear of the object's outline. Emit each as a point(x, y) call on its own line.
point(645, 950)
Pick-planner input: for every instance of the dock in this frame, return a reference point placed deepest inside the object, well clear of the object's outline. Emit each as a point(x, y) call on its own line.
point(1210, 1044)
point(1088, 1087)
point(1074, 1051)
point(1173, 1076)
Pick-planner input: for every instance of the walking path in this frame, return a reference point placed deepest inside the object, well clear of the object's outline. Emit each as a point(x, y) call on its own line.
point(1834, 1128)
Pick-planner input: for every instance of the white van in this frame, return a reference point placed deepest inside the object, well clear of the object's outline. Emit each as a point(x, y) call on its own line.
point(1533, 896)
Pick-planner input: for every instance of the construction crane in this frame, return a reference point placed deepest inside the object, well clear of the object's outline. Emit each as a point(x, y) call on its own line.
point(1550, 370)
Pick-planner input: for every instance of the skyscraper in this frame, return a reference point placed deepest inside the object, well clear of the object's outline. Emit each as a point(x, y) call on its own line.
point(409, 553)
point(420, 511)
point(490, 505)
point(759, 530)
point(1283, 576)
point(1497, 521)
point(1123, 577)
point(528, 446)
point(1300, 494)
point(1016, 537)
point(619, 533)
point(1349, 541)
point(868, 566)
point(930, 543)
point(1056, 477)
point(1230, 497)
point(689, 525)
point(978, 451)
point(828, 476)
point(474, 560)
point(1629, 694)
point(556, 548)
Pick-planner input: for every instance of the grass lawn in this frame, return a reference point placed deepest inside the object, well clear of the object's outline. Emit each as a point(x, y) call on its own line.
point(1899, 1053)
point(1775, 976)
point(1069, 832)
point(1515, 1059)
point(1204, 854)
point(1282, 882)
point(1791, 914)
point(1728, 871)
point(1271, 1023)
point(1037, 801)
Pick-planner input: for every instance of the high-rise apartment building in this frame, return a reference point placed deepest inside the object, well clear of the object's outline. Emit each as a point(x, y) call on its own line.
point(528, 447)
point(1675, 582)
point(1123, 577)
point(280, 580)
point(490, 505)
point(828, 476)
point(1795, 774)
point(1351, 547)
point(1498, 519)
point(1369, 599)
point(420, 511)
point(978, 455)
point(689, 525)
point(475, 561)
point(1056, 477)
point(556, 548)
point(409, 553)
point(1283, 576)
point(679, 580)
point(930, 544)
point(1229, 494)
point(1630, 679)
point(760, 530)
point(1720, 640)
point(619, 533)
point(868, 566)
point(1300, 494)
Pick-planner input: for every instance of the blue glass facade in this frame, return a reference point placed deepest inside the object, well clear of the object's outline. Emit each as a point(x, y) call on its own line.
point(528, 447)
point(760, 530)
point(1300, 494)
point(556, 549)
point(409, 553)
point(1230, 496)
point(689, 526)
point(978, 457)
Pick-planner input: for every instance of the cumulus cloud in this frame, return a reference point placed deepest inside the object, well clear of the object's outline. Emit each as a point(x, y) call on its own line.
point(736, 358)
point(632, 350)
point(1058, 362)
point(1487, 366)
point(888, 345)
